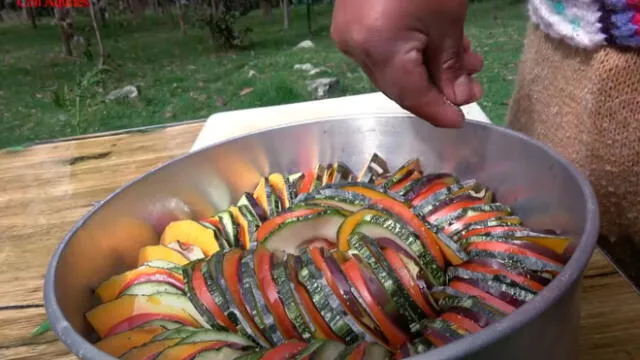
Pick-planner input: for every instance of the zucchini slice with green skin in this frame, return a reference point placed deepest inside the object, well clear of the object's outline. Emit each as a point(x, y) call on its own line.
point(471, 307)
point(403, 173)
point(188, 351)
point(245, 228)
point(267, 198)
point(557, 243)
point(376, 224)
point(425, 202)
point(209, 294)
point(163, 264)
point(328, 350)
point(150, 288)
point(479, 227)
point(212, 335)
point(268, 288)
point(470, 214)
point(289, 230)
point(533, 264)
point(253, 223)
point(167, 324)
point(319, 174)
point(515, 296)
point(403, 187)
point(441, 332)
point(223, 353)
point(376, 167)
point(218, 234)
point(461, 272)
point(238, 307)
point(469, 196)
point(337, 198)
point(254, 355)
point(230, 228)
point(187, 273)
point(259, 212)
point(308, 351)
point(351, 303)
point(180, 332)
point(371, 253)
point(213, 276)
point(428, 185)
point(292, 305)
point(282, 188)
point(327, 303)
point(255, 300)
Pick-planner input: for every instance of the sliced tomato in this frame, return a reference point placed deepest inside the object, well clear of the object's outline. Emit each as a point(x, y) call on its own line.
point(201, 291)
point(285, 351)
point(428, 238)
point(413, 176)
point(416, 288)
point(525, 281)
point(431, 189)
point(272, 224)
point(323, 331)
point(230, 269)
point(139, 319)
point(505, 247)
point(395, 334)
point(468, 220)
point(263, 259)
point(340, 287)
point(358, 352)
point(461, 322)
point(487, 298)
point(488, 230)
point(306, 183)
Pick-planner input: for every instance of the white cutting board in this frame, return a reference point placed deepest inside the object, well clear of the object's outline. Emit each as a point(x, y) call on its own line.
point(225, 125)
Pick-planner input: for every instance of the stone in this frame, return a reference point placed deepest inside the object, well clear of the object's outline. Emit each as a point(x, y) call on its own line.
point(307, 44)
point(252, 73)
point(324, 87)
point(303, 67)
point(128, 91)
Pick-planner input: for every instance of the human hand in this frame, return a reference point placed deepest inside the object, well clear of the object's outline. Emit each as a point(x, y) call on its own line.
point(414, 51)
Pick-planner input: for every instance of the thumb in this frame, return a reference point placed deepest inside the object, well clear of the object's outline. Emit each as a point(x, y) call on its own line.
point(446, 64)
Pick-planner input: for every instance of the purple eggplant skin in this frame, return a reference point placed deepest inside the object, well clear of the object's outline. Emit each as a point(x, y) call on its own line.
point(515, 297)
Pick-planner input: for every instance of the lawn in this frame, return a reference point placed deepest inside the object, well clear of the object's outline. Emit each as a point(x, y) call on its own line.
point(185, 77)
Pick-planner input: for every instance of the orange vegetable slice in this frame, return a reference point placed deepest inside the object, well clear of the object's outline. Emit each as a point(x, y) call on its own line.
point(192, 233)
point(116, 285)
point(149, 350)
point(160, 252)
point(119, 344)
point(189, 350)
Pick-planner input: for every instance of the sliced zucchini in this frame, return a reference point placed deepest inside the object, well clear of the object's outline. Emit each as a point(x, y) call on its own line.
point(318, 177)
point(255, 300)
point(308, 351)
point(295, 180)
point(327, 303)
point(341, 199)
point(259, 212)
point(230, 228)
point(292, 305)
point(218, 234)
point(328, 350)
point(375, 168)
point(471, 307)
point(405, 171)
point(150, 288)
point(192, 292)
point(470, 214)
point(267, 198)
point(423, 204)
point(177, 333)
point(213, 335)
point(283, 189)
point(163, 264)
point(246, 228)
point(289, 230)
point(428, 185)
point(371, 253)
point(441, 332)
point(376, 224)
point(253, 223)
point(223, 353)
point(469, 196)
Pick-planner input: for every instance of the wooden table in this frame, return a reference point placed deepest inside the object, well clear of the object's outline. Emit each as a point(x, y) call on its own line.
point(46, 188)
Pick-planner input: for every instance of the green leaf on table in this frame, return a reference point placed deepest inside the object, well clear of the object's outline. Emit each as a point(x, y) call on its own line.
point(41, 329)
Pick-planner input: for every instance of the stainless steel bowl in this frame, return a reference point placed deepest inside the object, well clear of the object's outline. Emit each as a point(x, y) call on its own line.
point(543, 188)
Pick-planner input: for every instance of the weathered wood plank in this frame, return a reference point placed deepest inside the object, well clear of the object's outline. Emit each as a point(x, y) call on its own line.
point(45, 189)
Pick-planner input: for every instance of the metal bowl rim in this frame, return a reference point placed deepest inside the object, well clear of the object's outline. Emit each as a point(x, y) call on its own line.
point(458, 349)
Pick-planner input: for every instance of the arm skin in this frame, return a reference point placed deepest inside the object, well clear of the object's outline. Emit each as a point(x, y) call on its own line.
point(414, 51)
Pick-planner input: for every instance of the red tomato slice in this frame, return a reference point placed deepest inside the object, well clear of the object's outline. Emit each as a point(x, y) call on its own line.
point(465, 221)
point(396, 336)
point(286, 351)
point(230, 268)
point(263, 259)
point(200, 288)
point(272, 224)
point(461, 322)
point(488, 298)
point(409, 282)
point(493, 271)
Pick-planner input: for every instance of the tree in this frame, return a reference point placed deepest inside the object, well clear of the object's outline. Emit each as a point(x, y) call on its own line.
point(65, 21)
point(286, 10)
point(96, 29)
point(265, 5)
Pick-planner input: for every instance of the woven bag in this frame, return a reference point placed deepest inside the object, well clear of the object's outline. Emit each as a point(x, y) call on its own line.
point(586, 105)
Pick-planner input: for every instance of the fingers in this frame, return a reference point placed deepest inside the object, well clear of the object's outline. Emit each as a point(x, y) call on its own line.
point(405, 80)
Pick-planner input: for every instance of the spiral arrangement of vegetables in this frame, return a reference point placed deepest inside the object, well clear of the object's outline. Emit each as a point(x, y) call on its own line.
point(329, 265)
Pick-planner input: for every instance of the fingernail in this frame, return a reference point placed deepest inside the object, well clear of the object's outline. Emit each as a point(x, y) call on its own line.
point(462, 89)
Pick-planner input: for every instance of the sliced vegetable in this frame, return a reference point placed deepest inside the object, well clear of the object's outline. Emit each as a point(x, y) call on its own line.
point(427, 185)
point(118, 284)
point(188, 351)
point(149, 350)
point(285, 192)
point(259, 212)
point(127, 312)
point(150, 288)
point(246, 227)
point(288, 230)
point(285, 351)
point(160, 252)
point(120, 343)
point(441, 332)
point(267, 198)
point(192, 233)
point(404, 172)
point(336, 198)
point(375, 168)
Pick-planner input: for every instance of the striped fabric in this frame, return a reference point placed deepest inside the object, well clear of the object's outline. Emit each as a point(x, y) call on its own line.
point(589, 23)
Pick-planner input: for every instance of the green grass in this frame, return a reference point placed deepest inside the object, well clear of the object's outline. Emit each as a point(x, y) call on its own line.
point(186, 77)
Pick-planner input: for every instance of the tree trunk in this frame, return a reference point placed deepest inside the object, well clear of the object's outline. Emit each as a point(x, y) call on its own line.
point(286, 9)
point(64, 20)
point(96, 29)
point(265, 5)
point(183, 29)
